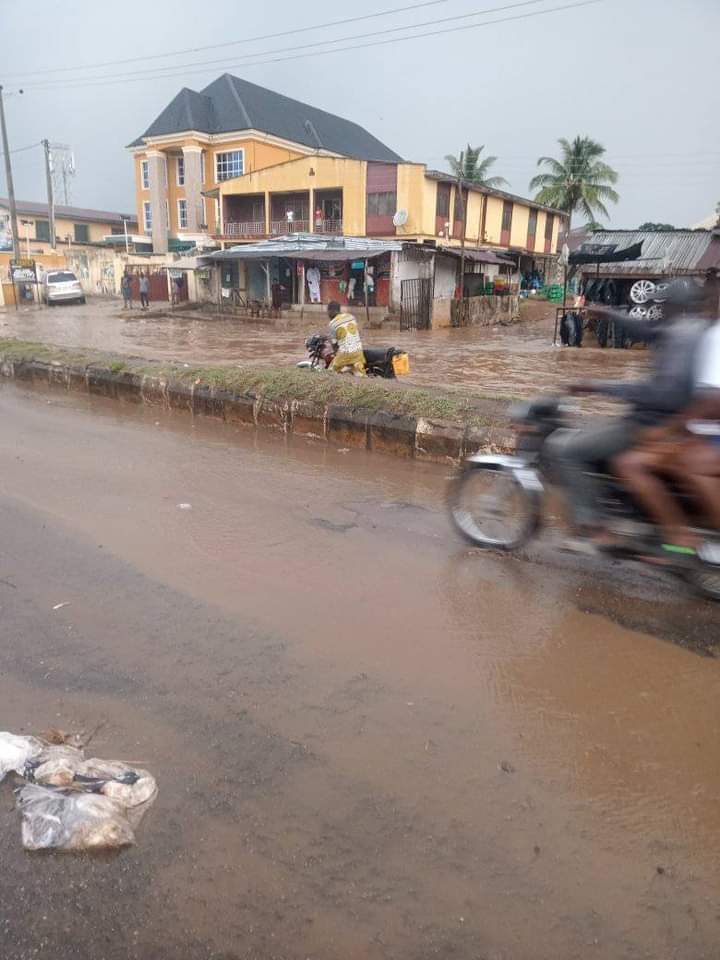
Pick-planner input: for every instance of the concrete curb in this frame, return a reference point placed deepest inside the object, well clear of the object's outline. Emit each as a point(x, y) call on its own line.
point(409, 437)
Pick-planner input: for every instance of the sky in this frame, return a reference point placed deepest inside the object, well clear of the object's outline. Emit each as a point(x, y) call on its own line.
point(640, 76)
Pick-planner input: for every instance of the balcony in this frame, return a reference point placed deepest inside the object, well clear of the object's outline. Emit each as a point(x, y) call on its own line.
point(279, 228)
point(248, 228)
point(329, 226)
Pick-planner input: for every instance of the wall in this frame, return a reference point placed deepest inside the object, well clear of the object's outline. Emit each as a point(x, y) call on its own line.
point(258, 154)
point(481, 311)
point(407, 265)
point(446, 270)
point(329, 172)
point(415, 194)
point(519, 229)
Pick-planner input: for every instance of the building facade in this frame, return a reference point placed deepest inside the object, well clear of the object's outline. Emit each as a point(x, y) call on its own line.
point(393, 200)
point(229, 129)
point(73, 226)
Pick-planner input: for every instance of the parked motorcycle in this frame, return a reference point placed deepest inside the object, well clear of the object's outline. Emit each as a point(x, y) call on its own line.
point(497, 501)
point(387, 362)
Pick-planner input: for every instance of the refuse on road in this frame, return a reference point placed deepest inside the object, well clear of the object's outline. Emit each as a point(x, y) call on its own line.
point(70, 803)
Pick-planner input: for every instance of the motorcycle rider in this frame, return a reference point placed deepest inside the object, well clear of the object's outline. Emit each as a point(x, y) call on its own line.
point(686, 448)
point(344, 329)
point(576, 454)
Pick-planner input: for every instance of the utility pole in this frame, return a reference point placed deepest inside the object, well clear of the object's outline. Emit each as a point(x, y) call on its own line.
point(9, 178)
point(463, 219)
point(50, 192)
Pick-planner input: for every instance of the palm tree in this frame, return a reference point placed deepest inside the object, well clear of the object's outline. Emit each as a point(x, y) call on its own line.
point(468, 166)
point(580, 180)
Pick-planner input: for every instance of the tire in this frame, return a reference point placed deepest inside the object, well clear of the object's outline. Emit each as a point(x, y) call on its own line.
point(603, 332)
point(705, 580)
point(82, 301)
point(478, 526)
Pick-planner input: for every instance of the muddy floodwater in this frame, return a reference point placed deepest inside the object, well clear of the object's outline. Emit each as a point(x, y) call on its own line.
point(371, 743)
point(513, 361)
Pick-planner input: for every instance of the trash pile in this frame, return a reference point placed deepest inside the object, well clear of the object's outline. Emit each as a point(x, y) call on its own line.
point(70, 803)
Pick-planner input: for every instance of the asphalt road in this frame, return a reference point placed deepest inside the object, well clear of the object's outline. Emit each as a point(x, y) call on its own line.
point(370, 742)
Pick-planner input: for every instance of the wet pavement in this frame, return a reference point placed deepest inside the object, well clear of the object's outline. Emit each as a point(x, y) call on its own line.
point(512, 361)
point(370, 742)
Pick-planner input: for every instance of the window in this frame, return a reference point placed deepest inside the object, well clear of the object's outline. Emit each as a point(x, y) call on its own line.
point(167, 215)
point(203, 206)
point(507, 216)
point(145, 169)
point(460, 205)
point(182, 214)
point(229, 164)
point(117, 231)
point(442, 206)
point(202, 166)
point(532, 229)
point(42, 230)
point(82, 232)
point(180, 162)
point(549, 225)
point(381, 204)
point(147, 217)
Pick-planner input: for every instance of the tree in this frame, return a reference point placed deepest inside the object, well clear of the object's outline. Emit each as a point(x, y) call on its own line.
point(468, 166)
point(579, 180)
point(655, 226)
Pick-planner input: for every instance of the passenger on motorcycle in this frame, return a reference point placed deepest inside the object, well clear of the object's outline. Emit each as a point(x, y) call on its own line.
point(344, 329)
point(577, 454)
point(686, 449)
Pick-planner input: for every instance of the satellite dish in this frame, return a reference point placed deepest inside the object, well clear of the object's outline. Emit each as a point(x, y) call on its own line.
point(400, 218)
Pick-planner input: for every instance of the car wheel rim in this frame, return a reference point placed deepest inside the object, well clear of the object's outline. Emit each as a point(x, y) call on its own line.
point(641, 291)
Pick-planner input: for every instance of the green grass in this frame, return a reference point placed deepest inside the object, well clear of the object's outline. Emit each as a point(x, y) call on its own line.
point(279, 384)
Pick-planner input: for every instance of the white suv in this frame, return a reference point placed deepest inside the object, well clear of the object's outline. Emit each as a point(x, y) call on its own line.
point(62, 286)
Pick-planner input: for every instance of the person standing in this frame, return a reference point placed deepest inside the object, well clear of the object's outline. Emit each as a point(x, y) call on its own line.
point(144, 291)
point(126, 290)
point(312, 276)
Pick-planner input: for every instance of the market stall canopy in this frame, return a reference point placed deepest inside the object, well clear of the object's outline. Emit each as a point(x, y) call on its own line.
point(307, 246)
point(479, 255)
point(604, 253)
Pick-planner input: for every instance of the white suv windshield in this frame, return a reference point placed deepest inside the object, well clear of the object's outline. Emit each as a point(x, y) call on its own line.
point(62, 277)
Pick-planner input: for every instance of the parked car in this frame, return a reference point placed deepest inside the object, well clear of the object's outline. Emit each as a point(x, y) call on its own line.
point(62, 286)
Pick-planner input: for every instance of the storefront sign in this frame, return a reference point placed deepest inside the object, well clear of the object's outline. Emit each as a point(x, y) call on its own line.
point(23, 270)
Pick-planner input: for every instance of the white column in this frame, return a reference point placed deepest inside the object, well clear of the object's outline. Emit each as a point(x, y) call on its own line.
point(193, 186)
point(158, 200)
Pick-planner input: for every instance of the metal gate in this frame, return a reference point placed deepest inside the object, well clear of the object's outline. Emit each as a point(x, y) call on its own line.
point(415, 304)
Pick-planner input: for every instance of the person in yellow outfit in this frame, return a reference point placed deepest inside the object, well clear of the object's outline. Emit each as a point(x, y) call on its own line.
point(344, 329)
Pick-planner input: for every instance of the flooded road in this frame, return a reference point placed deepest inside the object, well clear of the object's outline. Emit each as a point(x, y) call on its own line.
point(514, 361)
point(370, 742)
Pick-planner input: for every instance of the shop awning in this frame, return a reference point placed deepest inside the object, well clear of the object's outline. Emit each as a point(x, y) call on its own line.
point(597, 253)
point(480, 255)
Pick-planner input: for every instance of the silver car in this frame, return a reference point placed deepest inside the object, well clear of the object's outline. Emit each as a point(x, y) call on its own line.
point(62, 286)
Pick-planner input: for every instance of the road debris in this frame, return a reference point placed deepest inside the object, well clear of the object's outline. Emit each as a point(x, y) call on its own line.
point(72, 803)
point(184, 506)
point(59, 606)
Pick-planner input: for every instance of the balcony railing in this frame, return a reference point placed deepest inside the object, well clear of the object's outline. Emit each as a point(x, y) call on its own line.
point(329, 226)
point(280, 227)
point(248, 228)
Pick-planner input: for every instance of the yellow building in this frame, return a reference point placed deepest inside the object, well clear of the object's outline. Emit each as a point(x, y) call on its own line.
point(402, 201)
point(229, 129)
point(74, 226)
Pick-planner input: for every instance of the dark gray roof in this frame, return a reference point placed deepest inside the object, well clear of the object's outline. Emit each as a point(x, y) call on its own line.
point(69, 213)
point(503, 194)
point(230, 104)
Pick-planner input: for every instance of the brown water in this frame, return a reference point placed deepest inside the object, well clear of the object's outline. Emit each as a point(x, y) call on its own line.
point(514, 361)
point(370, 742)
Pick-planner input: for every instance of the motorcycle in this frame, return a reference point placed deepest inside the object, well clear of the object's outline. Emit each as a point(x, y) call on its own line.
point(387, 362)
point(497, 501)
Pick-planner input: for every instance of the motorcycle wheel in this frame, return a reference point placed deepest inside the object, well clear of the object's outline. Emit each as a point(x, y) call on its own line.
point(491, 508)
point(705, 579)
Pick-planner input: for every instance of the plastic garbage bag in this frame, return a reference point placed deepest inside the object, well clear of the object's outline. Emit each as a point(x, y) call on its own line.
point(16, 752)
point(68, 820)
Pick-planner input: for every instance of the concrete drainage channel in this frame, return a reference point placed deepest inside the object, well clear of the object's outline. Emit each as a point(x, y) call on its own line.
point(385, 432)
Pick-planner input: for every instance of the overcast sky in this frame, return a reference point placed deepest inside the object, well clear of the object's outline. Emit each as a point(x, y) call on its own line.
point(640, 76)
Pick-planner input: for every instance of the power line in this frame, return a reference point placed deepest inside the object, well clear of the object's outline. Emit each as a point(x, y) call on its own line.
point(233, 43)
point(20, 149)
point(318, 43)
point(433, 33)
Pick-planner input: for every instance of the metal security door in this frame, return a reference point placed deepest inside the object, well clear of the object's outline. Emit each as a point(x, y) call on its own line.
point(415, 304)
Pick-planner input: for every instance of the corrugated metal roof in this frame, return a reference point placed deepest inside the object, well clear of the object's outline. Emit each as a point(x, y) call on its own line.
point(310, 246)
point(479, 255)
point(663, 251)
point(231, 104)
point(69, 213)
point(491, 191)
